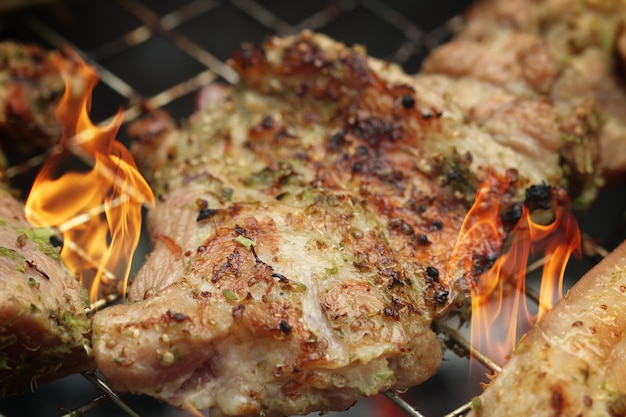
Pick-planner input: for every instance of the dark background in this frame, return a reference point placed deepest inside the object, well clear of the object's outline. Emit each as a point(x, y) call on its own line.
point(159, 52)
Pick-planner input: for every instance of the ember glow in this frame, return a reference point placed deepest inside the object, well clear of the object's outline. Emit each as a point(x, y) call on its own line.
point(97, 208)
point(498, 295)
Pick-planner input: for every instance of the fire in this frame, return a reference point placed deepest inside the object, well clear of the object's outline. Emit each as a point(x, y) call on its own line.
point(498, 295)
point(96, 207)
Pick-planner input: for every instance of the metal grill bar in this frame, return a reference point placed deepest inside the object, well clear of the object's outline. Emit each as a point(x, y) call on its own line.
point(60, 42)
point(265, 17)
point(403, 405)
point(88, 406)
point(325, 16)
point(460, 345)
point(461, 411)
point(101, 385)
point(183, 42)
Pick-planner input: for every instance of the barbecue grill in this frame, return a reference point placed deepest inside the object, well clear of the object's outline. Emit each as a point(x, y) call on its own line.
point(158, 53)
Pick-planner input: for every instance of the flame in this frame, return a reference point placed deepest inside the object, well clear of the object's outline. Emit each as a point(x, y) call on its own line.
point(498, 295)
point(97, 208)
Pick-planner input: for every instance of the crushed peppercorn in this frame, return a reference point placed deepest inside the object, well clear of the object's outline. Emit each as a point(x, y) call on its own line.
point(285, 327)
point(433, 273)
point(206, 213)
point(408, 102)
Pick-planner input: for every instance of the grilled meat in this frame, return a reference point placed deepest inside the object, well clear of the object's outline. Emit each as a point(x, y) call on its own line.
point(512, 85)
point(44, 330)
point(31, 87)
point(302, 237)
point(583, 43)
point(572, 363)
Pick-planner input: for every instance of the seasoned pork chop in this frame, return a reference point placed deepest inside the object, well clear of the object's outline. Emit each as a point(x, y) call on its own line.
point(303, 234)
point(44, 330)
point(573, 362)
point(514, 89)
point(565, 49)
point(30, 87)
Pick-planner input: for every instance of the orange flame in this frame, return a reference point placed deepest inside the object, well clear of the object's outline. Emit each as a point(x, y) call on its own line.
point(98, 209)
point(498, 295)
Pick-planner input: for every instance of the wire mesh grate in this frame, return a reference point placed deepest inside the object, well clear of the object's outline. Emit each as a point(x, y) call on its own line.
point(128, 41)
point(201, 35)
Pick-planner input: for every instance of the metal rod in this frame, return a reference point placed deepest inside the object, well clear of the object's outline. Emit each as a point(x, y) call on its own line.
point(460, 341)
point(402, 404)
point(532, 294)
point(59, 42)
point(101, 385)
point(591, 248)
point(326, 15)
point(188, 86)
point(87, 406)
point(256, 11)
point(186, 12)
point(462, 410)
point(534, 266)
point(183, 42)
point(537, 264)
point(102, 302)
point(28, 164)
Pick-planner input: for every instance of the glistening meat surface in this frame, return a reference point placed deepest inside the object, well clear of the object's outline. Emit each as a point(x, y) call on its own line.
point(568, 50)
point(305, 225)
point(31, 87)
point(44, 330)
point(572, 363)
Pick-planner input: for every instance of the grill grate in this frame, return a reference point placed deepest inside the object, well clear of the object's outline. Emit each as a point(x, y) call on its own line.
point(132, 42)
point(128, 41)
